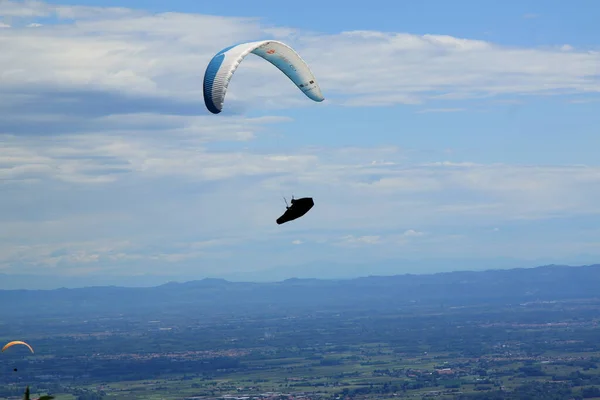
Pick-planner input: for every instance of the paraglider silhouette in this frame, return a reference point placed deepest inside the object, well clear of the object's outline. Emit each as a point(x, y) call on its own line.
point(298, 208)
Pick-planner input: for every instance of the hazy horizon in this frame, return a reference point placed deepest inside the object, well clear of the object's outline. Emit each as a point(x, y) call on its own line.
point(338, 272)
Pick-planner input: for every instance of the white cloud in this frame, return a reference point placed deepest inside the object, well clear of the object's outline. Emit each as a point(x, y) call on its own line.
point(440, 110)
point(380, 239)
point(150, 189)
point(161, 56)
point(361, 240)
point(583, 101)
point(412, 233)
point(567, 47)
point(149, 177)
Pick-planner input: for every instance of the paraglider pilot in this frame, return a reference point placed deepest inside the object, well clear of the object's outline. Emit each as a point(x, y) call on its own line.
point(297, 209)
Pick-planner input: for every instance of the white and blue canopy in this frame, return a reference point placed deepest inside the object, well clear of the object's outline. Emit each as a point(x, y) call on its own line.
point(222, 66)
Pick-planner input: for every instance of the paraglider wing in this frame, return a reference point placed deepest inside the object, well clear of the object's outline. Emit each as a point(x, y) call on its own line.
point(222, 66)
point(297, 210)
point(15, 342)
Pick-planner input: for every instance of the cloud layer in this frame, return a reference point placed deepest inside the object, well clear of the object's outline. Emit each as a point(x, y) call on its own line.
point(131, 56)
point(109, 161)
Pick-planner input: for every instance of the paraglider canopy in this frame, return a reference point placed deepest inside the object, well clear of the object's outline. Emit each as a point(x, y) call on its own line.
point(15, 342)
point(298, 208)
point(222, 66)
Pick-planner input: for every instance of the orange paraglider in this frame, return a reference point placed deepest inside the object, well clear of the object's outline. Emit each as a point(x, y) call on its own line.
point(15, 342)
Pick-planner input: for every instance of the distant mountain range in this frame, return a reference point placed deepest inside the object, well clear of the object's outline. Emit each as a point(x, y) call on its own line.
point(321, 270)
point(218, 296)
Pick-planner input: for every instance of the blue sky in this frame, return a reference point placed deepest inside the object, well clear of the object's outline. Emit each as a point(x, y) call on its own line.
point(453, 135)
